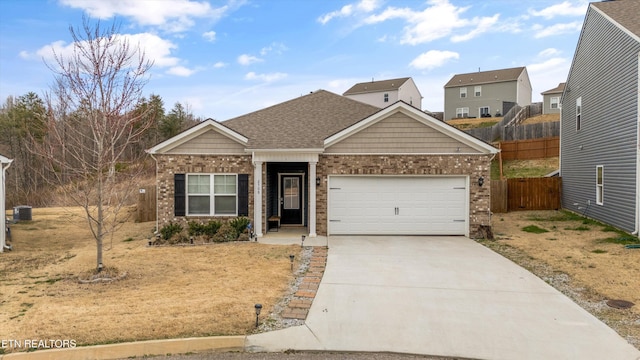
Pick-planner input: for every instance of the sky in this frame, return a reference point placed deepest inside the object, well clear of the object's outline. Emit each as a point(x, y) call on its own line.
point(226, 58)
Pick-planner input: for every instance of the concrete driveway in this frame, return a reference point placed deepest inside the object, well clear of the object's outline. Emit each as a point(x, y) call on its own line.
point(445, 296)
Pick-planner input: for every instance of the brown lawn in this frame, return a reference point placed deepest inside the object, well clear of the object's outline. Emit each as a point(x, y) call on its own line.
point(574, 256)
point(168, 292)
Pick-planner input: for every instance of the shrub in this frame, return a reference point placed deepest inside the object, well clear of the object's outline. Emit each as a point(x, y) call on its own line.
point(225, 233)
point(169, 230)
point(240, 224)
point(211, 228)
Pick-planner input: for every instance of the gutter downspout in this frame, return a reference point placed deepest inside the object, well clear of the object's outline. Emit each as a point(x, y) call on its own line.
point(3, 212)
point(637, 229)
point(157, 192)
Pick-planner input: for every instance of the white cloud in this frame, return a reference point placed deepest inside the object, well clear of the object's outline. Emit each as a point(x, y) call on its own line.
point(565, 8)
point(433, 59)
point(557, 29)
point(275, 47)
point(265, 77)
point(482, 25)
point(209, 36)
point(219, 65)
point(363, 6)
point(170, 15)
point(245, 59)
point(180, 71)
point(549, 52)
point(440, 19)
point(548, 74)
point(156, 49)
point(25, 55)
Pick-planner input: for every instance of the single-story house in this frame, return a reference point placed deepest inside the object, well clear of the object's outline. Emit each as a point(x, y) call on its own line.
point(332, 165)
point(4, 163)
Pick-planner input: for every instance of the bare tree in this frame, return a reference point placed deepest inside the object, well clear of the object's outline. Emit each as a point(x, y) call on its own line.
point(91, 123)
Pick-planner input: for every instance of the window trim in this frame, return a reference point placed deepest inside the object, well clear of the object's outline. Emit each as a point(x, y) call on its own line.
point(463, 93)
point(578, 113)
point(600, 184)
point(484, 107)
point(464, 110)
point(477, 91)
point(211, 195)
point(556, 102)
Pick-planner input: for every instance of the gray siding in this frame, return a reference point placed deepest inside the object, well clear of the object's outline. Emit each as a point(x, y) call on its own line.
point(524, 89)
point(605, 74)
point(493, 95)
point(399, 134)
point(210, 142)
point(546, 103)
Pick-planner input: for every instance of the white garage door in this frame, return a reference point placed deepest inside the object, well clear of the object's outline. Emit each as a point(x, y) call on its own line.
point(402, 205)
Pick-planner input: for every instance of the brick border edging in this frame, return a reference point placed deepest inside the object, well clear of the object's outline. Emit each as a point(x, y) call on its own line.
point(298, 307)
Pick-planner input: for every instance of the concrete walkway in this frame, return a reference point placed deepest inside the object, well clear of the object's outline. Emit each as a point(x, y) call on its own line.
point(445, 296)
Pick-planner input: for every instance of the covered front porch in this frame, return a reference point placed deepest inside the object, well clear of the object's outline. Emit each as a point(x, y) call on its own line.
point(285, 194)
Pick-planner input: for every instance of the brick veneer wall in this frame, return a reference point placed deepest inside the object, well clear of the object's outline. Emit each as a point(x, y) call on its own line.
point(472, 165)
point(168, 165)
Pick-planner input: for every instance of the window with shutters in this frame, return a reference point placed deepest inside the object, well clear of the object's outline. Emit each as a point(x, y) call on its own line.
point(212, 194)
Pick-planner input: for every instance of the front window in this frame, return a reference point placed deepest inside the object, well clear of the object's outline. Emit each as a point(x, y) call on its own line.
point(462, 112)
point(386, 97)
point(555, 101)
point(212, 194)
point(599, 184)
point(578, 113)
point(477, 91)
point(463, 92)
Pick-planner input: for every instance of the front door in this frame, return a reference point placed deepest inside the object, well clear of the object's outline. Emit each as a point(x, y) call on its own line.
point(291, 199)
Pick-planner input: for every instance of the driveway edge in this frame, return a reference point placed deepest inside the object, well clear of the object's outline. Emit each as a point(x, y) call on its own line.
point(137, 349)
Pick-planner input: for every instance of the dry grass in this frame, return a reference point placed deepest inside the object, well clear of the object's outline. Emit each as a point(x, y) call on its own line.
point(465, 124)
point(168, 292)
point(597, 270)
point(542, 118)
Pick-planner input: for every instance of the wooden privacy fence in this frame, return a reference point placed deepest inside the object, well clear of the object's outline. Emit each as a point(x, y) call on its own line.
point(146, 209)
point(526, 194)
point(530, 149)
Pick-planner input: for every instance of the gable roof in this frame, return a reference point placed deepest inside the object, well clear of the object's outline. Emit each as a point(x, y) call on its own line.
point(556, 90)
point(485, 77)
point(420, 116)
point(194, 132)
point(626, 13)
point(301, 123)
point(376, 86)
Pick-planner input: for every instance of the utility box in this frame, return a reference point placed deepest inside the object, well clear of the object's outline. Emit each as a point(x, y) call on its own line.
point(22, 212)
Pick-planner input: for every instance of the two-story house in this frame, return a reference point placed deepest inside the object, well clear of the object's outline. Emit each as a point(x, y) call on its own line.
point(486, 93)
point(386, 92)
point(551, 99)
point(600, 118)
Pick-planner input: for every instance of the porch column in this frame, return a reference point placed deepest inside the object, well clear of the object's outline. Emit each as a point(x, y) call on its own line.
point(312, 198)
point(257, 198)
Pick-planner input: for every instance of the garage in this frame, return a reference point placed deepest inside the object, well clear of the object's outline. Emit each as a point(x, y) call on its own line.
point(398, 205)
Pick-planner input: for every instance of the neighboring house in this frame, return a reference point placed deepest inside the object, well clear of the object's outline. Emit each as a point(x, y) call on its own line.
point(551, 100)
point(486, 93)
point(599, 143)
point(331, 164)
point(386, 92)
point(4, 163)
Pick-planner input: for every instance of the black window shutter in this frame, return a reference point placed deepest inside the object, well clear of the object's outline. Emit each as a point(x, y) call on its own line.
point(243, 195)
point(180, 194)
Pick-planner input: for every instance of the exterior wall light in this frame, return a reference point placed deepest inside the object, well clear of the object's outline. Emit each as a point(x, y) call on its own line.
point(318, 181)
point(480, 181)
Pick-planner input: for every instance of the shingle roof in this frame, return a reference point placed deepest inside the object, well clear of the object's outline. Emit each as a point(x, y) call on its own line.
point(376, 86)
point(555, 90)
point(300, 123)
point(624, 12)
point(485, 77)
